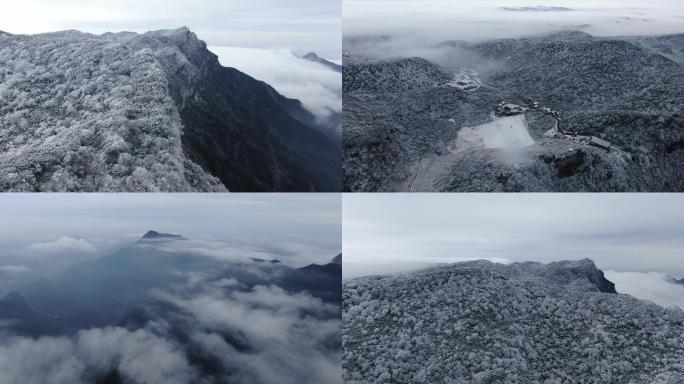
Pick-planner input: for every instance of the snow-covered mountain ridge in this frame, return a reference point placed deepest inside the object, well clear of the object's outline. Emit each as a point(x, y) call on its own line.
point(146, 112)
point(480, 322)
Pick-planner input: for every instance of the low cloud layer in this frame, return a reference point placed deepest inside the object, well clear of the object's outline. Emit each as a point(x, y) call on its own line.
point(294, 226)
point(62, 245)
point(262, 335)
point(441, 20)
point(290, 335)
point(651, 286)
point(138, 356)
point(11, 269)
point(316, 86)
point(295, 254)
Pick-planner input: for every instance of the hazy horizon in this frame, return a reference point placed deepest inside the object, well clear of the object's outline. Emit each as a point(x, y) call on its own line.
point(634, 238)
point(624, 232)
point(302, 26)
point(45, 233)
point(439, 20)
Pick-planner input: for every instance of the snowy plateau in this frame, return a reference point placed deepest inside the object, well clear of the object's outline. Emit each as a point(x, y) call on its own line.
point(526, 323)
point(149, 112)
point(611, 108)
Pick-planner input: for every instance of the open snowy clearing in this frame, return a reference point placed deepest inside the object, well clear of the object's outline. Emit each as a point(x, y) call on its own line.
point(509, 134)
point(466, 80)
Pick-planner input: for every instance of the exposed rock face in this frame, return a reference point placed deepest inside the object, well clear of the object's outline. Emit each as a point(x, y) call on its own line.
point(622, 91)
point(479, 322)
point(580, 273)
point(150, 112)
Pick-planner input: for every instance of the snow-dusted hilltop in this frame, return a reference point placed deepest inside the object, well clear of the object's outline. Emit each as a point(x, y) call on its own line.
point(148, 112)
point(479, 322)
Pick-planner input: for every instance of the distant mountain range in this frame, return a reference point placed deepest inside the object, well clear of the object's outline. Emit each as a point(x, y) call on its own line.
point(619, 103)
point(105, 291)
point(150, 112)
point(539, 8)
point(202, 312)
point(477, 322)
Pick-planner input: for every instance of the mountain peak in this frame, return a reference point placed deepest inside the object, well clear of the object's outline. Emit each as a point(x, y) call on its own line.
point(157, 235)
point(581, 274)
point(565, 271)
point(312, 56)
point(337, 259)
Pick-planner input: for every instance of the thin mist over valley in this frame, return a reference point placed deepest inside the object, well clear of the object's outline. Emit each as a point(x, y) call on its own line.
point(87, 297)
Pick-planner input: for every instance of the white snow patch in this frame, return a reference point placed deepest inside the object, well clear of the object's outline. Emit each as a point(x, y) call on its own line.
point(465, 79)
point(508, 133)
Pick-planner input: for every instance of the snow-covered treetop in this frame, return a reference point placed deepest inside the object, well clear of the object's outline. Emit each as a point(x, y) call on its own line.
point(83, 112)
point(480, 322)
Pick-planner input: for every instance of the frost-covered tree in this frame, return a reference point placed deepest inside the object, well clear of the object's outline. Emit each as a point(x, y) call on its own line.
point(480, 322)
point(80, 112)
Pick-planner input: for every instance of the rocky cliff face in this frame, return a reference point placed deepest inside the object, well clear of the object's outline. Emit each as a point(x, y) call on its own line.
point(479, 322)
point(150, 112)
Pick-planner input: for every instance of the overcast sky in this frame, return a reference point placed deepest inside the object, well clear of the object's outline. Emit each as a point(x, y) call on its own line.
point(300, 228)
point(486, 19)
point(621, 232)
point(301, 25)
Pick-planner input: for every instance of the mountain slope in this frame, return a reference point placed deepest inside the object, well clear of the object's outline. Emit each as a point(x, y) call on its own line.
point(312, 56)
point(17, 316)
point(149, 112)
point(479, 322)
point(403, 116)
